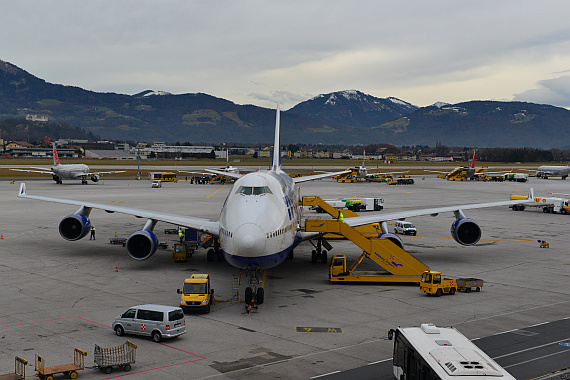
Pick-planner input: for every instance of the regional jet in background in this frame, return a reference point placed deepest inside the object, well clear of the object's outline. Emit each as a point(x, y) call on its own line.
point(60, 172)
point(260, 220)
point(553, 171)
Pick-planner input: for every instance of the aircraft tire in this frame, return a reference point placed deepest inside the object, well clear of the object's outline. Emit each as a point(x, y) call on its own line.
point(314, 256)
point(260, 295)
point(324, 257)
point(248, 295)
point(210, 255)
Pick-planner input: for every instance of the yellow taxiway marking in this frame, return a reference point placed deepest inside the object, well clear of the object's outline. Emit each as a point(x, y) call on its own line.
point(114, 202)
point(211, 195)
point(23, 233)
point(375, 189)
point(450, 238)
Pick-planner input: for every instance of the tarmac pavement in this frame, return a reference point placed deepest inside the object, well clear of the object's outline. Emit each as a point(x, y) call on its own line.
point(56, 295)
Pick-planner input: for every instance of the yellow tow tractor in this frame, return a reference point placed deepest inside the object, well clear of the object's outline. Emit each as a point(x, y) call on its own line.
point(433, 282)
point(543, 244)
point(196, 293)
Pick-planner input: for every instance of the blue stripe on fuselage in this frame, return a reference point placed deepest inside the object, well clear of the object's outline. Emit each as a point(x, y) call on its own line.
point(261, 262)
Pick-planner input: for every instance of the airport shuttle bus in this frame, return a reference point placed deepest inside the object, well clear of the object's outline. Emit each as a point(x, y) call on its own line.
point(163, 176)
point(429, 352)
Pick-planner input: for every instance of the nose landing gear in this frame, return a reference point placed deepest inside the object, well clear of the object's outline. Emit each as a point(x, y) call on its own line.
point(254, 294)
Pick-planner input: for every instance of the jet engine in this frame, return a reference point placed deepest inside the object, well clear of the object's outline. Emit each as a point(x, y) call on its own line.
point(393, 238)
point(142, 244)
point(465, 231)
point(74, 227)
point(95, 178)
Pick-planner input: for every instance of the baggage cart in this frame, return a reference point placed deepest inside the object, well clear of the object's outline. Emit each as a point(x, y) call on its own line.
point(67, 369)
point(118, 356)
point(117, 240)
point(19, 370)
point(467, 284)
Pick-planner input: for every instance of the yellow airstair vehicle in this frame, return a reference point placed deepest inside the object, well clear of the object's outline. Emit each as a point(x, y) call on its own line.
point(397, 264)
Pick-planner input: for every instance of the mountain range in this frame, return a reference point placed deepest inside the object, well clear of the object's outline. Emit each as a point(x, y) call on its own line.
point(343, 117)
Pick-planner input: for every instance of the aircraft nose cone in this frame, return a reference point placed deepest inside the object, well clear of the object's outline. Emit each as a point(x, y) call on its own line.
point(250, 239)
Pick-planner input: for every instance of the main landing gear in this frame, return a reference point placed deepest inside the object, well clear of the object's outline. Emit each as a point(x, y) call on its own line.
point(254, 293)
point(320, 254)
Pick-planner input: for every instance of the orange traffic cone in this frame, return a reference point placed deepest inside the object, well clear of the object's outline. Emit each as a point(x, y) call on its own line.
point(2, 237)
point(116, 268)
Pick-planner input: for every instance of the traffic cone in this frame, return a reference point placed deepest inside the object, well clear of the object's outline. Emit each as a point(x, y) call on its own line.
point(116, 268)
point(2, 237)
point(116, 234)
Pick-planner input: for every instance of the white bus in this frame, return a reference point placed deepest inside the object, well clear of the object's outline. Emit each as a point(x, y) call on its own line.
point(429, 352)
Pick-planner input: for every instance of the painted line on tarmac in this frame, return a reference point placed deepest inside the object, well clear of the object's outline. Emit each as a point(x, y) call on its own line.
point(211, 195)
point(24, 233)
point(375, 189)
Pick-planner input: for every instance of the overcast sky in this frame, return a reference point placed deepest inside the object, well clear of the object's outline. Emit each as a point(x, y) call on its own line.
point(263, 52)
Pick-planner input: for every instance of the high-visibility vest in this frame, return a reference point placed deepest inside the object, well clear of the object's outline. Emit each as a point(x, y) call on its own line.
point(341, 217)
point(180, 233)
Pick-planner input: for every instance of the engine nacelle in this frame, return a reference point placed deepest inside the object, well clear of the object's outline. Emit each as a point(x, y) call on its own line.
point(74, 227)
point(465, 231)
point(393, 238)
point(95, 178)
point(142, 244)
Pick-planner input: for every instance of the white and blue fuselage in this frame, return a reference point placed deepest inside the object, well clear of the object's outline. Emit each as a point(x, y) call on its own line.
point(259, 220)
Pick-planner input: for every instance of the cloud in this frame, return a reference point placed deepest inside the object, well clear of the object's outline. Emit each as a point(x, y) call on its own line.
point(555, 91)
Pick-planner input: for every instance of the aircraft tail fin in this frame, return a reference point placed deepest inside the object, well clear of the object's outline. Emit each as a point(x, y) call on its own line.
point(55, 156)
point(363, 156)
point(473, 162)
point(22, 189)
point(531, 194)
point(276, 165)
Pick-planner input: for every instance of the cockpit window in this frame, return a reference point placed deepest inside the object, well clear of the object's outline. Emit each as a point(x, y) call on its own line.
point(256, 190)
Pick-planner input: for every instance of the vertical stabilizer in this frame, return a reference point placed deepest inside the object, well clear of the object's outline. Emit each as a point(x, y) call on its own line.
point(363, 156)
point(276, 166)
point(55, 156)
point(473, 162)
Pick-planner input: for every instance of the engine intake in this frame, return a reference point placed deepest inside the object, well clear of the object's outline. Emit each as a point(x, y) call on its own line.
point(74, 227)
point(142, 244)
point(465, 231)
point(95, 178)
point(393, 238)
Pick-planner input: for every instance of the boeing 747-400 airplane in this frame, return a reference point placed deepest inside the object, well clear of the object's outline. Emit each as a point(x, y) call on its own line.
point(259, 223)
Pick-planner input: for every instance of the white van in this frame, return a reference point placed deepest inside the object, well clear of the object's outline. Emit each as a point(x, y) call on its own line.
point(405, 228)
point(156, 321)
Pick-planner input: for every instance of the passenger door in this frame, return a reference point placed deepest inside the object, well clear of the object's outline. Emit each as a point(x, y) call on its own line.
point(128, 320)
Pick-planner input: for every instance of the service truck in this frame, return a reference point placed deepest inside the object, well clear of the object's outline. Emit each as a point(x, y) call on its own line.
point(552, 205)
point(196, 293)
point(516, 177)
point(354, 204)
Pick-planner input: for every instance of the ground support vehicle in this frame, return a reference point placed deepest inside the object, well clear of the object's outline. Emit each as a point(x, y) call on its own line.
point(543, 244)
point(405, 228)
point(156, 321)
point(19, 370)
point(196, 293)
point(516, 177)
point(400, 181)
point(119, 356)
point(180, 253)
point(353, 204)
point(431, 352)
point(397, 264)
point(70, 370)
point(162, 176)
point(117, 240)
point(434, 283)
point(156, 184)
point(467, 284)
point(551, 205)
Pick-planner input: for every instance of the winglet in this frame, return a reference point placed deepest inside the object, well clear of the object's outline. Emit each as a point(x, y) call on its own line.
point(22, 189)
point(276, 165)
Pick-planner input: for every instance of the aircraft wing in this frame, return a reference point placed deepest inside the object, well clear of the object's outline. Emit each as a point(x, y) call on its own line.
point(227, 174)
point(318, 176)
point(362, 220)
point(208, 226)
point(45, 171)
point(99, 173)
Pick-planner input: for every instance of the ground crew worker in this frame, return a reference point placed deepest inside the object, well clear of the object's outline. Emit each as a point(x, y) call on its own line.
point(340, 217)
point(181, 234)
point(92, 233)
